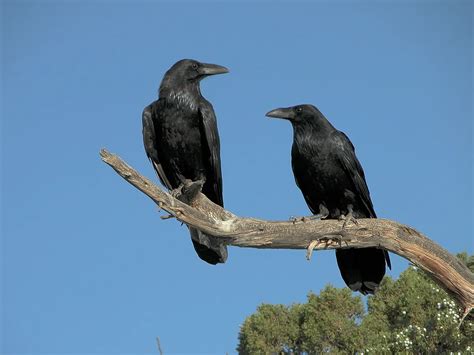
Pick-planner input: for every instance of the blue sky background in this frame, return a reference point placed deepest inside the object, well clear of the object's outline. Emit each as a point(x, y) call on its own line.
point(87, 264)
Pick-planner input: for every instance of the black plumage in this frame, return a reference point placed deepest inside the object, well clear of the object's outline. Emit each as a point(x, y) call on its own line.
point(182, 141)
point(332, 181)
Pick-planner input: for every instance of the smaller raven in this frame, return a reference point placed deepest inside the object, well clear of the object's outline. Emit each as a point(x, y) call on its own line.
point(182, 142)
point(332, 181)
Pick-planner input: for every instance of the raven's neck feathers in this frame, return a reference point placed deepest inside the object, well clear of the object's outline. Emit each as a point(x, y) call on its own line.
point(309, 137)
point(318, 128)
point(187, 95)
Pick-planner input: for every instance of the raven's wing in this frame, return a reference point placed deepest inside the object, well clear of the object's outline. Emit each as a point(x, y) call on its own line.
point(210, 249)
point(149, 140)
point(350, 164)
point(304, 180)
point(211, 144)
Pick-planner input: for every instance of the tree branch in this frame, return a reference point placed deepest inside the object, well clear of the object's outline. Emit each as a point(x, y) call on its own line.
point(200, 213)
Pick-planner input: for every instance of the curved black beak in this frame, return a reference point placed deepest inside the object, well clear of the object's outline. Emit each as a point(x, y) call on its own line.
point(285, 113)
point(212, 69)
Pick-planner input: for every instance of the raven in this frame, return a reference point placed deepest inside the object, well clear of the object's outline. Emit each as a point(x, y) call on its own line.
point(333, 184)
point(182, 142)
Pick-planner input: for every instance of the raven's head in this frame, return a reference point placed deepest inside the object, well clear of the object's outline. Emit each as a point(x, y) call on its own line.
point(189, 72)
point(303, 118)
point(297, 114)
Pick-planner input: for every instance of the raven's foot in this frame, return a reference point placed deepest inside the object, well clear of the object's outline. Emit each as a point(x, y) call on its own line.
point(176, 193)
point(348, 218)
point(187, 191)
point(327, 239)
point(295, 220)
point(323, 214)
point(191, 189)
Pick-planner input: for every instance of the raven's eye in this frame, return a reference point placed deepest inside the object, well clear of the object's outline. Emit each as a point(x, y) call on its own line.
point(195, 66)
point(299, 109)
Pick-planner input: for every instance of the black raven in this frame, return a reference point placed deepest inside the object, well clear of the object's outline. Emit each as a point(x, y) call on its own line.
point(333, 184)
point(182, 142)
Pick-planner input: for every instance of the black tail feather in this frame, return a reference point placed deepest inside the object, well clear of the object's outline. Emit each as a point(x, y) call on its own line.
point(362, 269)
point(208, 248)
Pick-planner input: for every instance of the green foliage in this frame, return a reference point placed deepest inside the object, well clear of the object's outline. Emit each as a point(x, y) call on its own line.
point(413, 314)
point(328, 322)
point(410, 314)
point(272, 329)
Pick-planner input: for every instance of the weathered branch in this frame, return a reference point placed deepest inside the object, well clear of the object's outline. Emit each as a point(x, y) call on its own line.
point(450, 273)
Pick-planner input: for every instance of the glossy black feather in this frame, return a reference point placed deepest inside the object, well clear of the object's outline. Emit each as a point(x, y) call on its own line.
point(328, 173)
point(182, 141)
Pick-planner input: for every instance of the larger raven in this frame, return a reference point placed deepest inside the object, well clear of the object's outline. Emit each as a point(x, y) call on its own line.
point(333, 183)
point(181, 140)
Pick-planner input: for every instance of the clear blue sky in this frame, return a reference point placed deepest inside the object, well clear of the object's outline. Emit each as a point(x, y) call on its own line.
point(88, 266)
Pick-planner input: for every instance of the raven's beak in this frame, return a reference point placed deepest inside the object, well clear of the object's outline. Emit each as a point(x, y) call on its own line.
point(285, 113)
point(212, 69)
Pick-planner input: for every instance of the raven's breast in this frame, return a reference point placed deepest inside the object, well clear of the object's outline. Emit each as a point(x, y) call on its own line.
point(322, 182)
point(179, 140)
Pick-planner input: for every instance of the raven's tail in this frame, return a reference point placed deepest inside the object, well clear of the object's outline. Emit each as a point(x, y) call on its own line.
point(208, 248)
point(362, 269)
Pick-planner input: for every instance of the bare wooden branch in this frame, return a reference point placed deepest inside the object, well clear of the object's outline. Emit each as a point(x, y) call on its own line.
point(450, 273)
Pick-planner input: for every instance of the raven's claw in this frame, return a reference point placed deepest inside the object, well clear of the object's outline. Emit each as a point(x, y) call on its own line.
point(348, 218)
point(323, 214)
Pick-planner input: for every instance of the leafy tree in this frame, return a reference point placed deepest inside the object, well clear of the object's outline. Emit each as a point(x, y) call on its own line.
point(272, 329)
point(414, 314)
point(410, 314)
point(328, 322)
